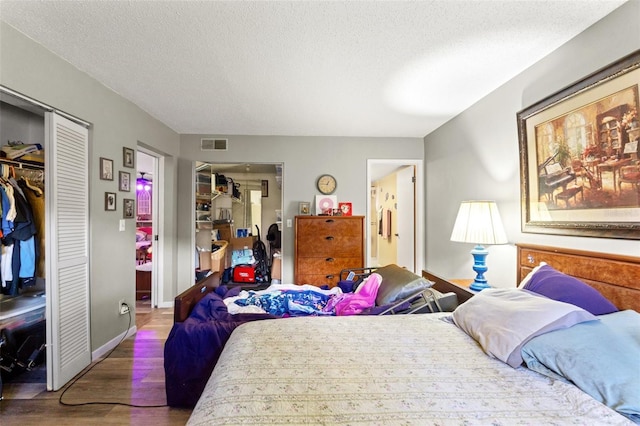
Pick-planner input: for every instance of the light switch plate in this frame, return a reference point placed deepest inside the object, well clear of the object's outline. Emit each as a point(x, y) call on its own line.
point(122, 222)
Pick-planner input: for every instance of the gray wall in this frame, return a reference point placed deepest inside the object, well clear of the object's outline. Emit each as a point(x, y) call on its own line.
point(304, 159)
point(475, 155)
point(28, 68)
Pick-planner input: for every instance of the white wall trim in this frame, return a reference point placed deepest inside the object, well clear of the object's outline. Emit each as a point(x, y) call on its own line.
point(107, 347)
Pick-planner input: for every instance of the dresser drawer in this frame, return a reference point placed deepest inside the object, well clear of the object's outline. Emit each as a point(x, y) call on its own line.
point(327, 265)
point(330, 246)
point(329, 226)
point(330, 280)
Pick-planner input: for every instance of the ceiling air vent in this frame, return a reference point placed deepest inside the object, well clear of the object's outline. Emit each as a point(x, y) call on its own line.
point(213, 144)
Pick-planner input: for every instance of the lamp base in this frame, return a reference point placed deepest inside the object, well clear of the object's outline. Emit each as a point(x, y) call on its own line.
point(479, 254)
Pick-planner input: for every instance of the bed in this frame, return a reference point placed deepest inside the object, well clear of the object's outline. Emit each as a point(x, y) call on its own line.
point(206, 314)
point(445, 368)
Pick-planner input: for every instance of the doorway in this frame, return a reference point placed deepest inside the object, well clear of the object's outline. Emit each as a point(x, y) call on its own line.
point(147, 184)
point(395, 189)
point(235, 200)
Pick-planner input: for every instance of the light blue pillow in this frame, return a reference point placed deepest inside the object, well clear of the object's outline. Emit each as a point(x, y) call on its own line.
point(600, 357)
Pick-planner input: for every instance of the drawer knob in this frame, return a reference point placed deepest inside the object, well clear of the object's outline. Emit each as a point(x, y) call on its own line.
point(329, 259)
point(329, 238)
point(329, 277)
point(531, 259)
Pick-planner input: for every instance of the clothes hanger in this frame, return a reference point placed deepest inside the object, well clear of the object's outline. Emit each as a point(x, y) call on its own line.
point(32, 187)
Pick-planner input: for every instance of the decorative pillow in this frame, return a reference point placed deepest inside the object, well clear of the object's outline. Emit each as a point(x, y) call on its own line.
point(600, 357)
point(502, 320)
point(563, 288)
point(398, 283)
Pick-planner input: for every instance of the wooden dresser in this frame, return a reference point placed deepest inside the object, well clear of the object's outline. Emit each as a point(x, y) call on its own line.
point(324, 245)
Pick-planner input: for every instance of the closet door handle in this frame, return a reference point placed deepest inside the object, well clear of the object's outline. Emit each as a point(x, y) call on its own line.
point(329, 259)
point(329, 238)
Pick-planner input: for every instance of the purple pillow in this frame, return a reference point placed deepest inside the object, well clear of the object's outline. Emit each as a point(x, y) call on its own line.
point(563, 288)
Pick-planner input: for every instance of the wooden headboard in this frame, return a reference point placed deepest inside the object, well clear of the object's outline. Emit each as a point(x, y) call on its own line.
point(185, 301)
point(617, 277)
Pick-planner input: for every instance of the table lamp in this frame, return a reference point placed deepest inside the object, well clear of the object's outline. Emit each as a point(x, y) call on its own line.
point(478, 222)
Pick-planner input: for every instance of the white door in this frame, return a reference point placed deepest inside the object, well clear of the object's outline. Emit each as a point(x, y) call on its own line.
point(67, 249)
point(406, 183)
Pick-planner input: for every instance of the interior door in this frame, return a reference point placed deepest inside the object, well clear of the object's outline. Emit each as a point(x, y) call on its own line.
point(67, 249)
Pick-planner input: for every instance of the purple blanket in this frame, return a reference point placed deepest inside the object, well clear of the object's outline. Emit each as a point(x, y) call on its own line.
point(194, 346)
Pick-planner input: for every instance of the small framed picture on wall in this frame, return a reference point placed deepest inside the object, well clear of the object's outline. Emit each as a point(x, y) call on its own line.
point(106, 169)
point(128, 157)
point(110, 201)
point(124, 179)
point(127, 211)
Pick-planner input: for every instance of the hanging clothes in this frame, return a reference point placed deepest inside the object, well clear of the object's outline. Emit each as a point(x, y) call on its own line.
point(35, 198)
point(18, 233)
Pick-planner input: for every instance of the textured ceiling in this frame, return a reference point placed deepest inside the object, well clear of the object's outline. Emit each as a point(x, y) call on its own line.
point(303, 68)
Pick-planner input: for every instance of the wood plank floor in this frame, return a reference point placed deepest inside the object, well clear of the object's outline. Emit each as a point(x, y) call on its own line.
point(132, 374)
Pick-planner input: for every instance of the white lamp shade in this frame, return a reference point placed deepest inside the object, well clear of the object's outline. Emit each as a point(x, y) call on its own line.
point(478, 222)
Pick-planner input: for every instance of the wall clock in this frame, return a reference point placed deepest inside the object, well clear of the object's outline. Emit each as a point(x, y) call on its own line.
point(326, 184)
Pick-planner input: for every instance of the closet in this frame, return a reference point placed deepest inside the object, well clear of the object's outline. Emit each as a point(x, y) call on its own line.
point(233, 202)
point(45, 152)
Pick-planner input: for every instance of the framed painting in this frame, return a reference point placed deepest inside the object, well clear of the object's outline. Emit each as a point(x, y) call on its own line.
point(579, 166)
point(124, 179)
point(127, 211)
point(110, 201)
point(128, 157)
point(106, 169)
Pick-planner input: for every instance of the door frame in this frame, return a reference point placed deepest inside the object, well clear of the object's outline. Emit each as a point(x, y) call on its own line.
point(377, 168)
point(157, 207)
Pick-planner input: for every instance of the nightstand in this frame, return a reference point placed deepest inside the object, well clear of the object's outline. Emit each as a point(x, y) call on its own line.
point(456, 286)
point(462, 282)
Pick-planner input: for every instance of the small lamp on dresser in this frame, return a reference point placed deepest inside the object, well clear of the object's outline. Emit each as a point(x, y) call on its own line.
point(478, 222)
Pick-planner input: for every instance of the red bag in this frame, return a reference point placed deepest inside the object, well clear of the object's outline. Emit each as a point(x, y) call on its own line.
point(244, 274)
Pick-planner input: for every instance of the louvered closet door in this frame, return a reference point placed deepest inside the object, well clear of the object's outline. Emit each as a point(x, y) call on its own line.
point(67, 250)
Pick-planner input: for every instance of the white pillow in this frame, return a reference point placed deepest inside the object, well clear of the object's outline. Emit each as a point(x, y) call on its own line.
point(526, 279)
point(503, 320)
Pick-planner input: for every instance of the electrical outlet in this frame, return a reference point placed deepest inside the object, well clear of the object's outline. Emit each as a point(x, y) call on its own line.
point(123, 308)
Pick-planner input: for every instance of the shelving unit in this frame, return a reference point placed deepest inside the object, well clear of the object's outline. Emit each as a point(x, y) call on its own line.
point(203, 193)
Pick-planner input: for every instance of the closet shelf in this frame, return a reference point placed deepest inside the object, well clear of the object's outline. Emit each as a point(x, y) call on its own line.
point(22, 164)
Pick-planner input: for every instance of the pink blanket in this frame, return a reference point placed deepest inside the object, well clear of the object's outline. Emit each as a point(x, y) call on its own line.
point(353, 303)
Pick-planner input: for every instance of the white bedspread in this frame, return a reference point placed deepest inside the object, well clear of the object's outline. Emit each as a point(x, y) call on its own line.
point(379, 370)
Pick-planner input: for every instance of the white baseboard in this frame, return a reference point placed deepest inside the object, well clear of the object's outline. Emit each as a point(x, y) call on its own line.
point(107, 347)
